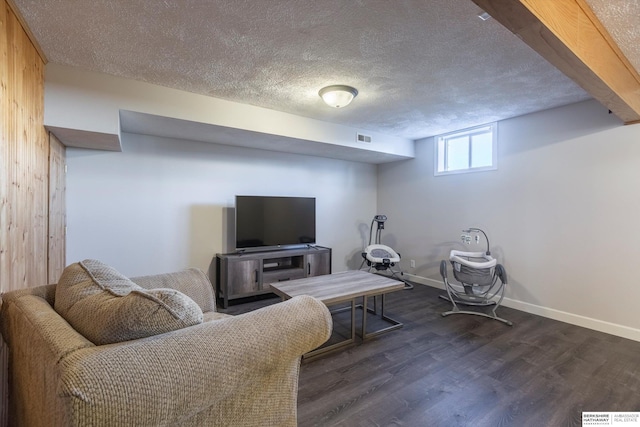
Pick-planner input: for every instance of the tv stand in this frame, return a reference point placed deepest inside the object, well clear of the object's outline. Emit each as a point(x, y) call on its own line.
point(244, 274)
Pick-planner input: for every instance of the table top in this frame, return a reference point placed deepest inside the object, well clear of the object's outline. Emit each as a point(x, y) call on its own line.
point(338, 287)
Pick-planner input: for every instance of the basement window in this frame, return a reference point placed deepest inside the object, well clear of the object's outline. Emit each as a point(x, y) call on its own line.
point(469, 150)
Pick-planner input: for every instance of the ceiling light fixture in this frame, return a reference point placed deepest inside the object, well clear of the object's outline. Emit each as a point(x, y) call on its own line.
point(338, 96)
point(484, 16)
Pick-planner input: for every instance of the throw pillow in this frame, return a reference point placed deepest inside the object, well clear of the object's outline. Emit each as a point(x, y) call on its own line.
point(106, 307)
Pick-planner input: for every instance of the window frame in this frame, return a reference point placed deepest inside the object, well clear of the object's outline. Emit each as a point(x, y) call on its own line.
point(439, 143)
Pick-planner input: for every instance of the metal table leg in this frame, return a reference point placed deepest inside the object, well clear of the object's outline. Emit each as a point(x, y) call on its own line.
point(394, 323)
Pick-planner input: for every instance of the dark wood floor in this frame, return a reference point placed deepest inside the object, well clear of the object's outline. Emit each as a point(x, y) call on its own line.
point(468, 371)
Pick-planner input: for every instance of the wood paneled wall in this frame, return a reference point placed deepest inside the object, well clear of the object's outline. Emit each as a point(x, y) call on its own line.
point(57, 210)
point(24, 193)
point(32, 206)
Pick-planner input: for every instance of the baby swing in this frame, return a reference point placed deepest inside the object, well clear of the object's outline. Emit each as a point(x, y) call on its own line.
point(381, 257)
point(482, 279)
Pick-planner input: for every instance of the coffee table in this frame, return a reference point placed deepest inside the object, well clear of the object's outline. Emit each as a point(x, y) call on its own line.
point(344, 287)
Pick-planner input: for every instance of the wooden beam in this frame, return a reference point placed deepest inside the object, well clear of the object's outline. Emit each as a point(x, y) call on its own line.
point(568, 35)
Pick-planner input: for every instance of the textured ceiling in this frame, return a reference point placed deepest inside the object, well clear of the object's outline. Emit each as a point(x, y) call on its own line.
point(421, 67)
point(621, 18)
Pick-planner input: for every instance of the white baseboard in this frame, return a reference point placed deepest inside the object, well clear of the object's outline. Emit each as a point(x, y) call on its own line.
point(550, 313)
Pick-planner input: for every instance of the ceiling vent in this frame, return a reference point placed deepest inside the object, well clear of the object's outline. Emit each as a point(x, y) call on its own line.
point(363, 138)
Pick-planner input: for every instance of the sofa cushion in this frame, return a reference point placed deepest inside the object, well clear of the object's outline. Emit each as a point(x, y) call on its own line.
point(106, 307)
point(191, 282)
point(212, 316)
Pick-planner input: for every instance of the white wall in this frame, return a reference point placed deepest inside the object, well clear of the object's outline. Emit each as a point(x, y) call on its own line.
point(161, 204)
point(561, 211)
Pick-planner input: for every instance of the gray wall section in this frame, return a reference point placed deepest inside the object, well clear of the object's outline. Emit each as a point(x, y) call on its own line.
point(162, 205)
point(561, 212)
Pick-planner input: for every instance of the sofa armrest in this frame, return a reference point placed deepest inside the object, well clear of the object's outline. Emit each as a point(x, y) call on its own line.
point(38, 339)
point(242, 370)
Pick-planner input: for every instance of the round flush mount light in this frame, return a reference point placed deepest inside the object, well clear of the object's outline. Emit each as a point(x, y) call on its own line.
point(338, 96)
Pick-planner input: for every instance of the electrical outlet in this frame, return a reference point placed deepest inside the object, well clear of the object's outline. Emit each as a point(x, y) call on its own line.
point(413, 263)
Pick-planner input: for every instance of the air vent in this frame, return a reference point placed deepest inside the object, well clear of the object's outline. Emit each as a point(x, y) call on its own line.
point(363, 138)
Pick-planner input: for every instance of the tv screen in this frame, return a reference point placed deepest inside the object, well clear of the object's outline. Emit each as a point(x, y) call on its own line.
point(271, 222)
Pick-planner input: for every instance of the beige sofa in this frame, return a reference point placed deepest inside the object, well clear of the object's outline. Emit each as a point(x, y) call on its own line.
point(226, 371)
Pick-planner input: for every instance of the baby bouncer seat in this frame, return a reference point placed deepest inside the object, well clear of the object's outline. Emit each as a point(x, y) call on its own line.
point(480, 280)
point(381, 257)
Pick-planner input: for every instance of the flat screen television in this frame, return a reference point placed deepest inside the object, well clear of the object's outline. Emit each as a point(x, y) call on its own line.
point(266, 222)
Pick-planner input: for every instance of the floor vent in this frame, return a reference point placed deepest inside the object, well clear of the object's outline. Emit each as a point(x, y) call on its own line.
point(363, 138)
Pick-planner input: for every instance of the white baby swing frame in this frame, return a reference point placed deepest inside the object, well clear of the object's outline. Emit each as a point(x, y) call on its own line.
point(481, 280)
point(381, 257)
